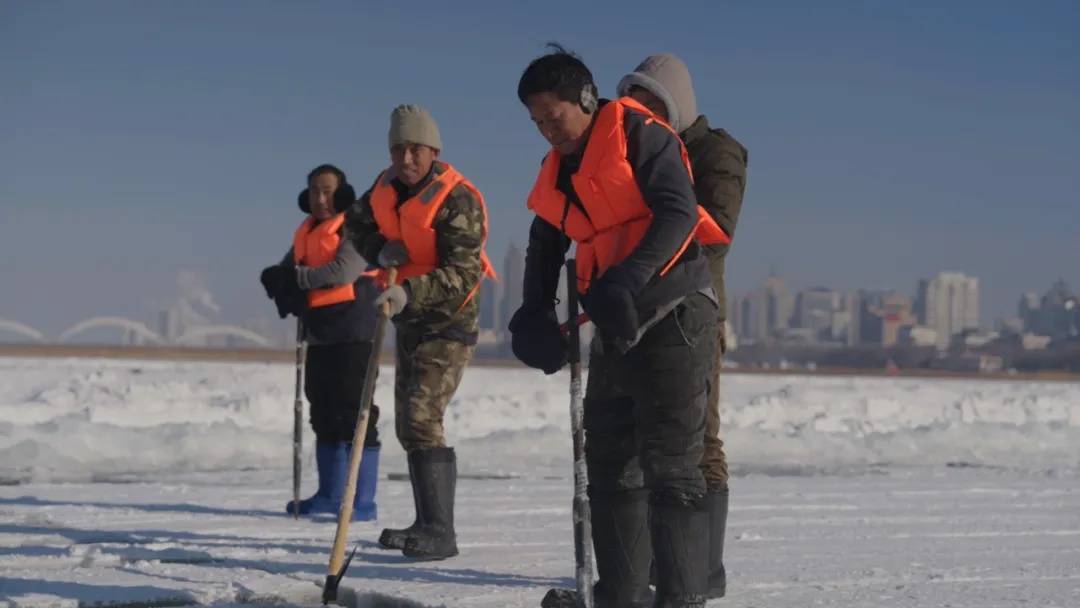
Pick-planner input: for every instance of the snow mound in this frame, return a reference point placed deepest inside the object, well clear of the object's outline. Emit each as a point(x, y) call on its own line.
point(70, 419)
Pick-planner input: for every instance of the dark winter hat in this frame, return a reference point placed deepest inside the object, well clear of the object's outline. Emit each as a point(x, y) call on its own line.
point(344, 196)
point(665, 76)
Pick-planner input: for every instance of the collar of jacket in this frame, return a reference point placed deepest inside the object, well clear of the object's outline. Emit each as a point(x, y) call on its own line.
point(405, 192)
point(698, 129)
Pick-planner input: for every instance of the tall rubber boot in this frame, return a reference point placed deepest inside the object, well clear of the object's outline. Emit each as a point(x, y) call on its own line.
point(364, 507)
point(436, 471)
point(394, 538)
point(620, 531)
point(717, 504)
point(678, 523)
point(332, 462)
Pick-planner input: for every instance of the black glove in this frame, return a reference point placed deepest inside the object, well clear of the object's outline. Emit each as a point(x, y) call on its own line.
point(610, 304)
point(291, 304)
point(288, 281)
point(271, 281)
point(281, 286)
point(537, 340)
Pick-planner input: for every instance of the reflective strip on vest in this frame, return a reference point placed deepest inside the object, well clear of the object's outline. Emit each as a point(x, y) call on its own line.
point(316, 244)
point(615, 216)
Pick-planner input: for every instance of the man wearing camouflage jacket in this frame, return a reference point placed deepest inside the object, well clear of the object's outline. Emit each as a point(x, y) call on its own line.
point(424, 218)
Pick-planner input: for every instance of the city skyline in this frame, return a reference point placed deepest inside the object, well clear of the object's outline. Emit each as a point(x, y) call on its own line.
point(945, 308)
point(795, 304)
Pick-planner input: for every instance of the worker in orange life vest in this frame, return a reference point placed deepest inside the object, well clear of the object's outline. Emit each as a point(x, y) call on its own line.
point(616, 184)
point(426, 219)
point(322, 280)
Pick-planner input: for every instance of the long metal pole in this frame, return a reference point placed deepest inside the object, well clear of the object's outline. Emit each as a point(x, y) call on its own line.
point(583, 575)
point(298, 415)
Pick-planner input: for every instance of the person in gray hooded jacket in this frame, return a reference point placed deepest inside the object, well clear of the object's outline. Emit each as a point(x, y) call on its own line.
point(662, 83)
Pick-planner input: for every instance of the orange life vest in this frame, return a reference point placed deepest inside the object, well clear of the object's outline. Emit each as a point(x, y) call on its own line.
point(316, 244)
point(616, 215)
point(412, 222)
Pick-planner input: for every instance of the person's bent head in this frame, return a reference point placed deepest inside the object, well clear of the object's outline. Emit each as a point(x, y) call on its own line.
point(561, 97)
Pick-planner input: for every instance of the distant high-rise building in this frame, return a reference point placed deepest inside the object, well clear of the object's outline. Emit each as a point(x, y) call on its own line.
point(778, 306)
point(920, 300)
point(513, 276)
point(750, 318)
point(853, 305)
point(950, 304)
point(489, 305)
point(1059, 312)
point(1028, 310)
point(814, 310)
point(840, 327)
point(169, 325)
point(896, 315)
point(883, 315)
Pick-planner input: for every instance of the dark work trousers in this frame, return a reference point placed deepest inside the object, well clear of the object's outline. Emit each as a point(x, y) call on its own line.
point(714, 463)
point(334, 386)
point(645, 409)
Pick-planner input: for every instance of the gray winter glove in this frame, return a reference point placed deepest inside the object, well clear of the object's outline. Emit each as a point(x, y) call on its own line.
point(396, 296)
point(393, 253)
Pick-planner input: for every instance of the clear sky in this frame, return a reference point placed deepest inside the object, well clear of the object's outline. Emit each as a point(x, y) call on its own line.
point(888, 140)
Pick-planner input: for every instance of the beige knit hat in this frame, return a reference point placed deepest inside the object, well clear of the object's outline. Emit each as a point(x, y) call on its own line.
point(411, 124)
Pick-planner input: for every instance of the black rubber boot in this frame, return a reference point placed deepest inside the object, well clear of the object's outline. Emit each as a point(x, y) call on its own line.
point(717, 504)
point(620, 531)
point(678, 524)
point(436, 473)
point(394, 538)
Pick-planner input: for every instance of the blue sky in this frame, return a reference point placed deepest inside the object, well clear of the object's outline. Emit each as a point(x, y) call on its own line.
point(888, 140)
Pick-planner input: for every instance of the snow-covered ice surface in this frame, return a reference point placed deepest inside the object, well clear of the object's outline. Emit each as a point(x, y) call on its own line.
point(163, 484)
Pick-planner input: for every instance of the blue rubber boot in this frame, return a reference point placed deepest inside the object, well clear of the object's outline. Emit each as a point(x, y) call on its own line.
point(364, 507)
point(332, 460)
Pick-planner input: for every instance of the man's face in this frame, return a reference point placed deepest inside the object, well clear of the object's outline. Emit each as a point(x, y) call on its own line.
point(412, 162)
point(562, 123)
point(647, 99)
point(321, 195)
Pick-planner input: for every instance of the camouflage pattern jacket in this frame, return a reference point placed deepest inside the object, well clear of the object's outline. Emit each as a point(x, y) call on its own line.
point(437, 304)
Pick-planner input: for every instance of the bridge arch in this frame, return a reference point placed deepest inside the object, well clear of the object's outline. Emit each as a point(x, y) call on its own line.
point(118, 322)
point(22, 329)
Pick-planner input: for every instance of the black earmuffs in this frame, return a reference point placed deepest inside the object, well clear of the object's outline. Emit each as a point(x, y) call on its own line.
point(344, 196)
point(588, 99)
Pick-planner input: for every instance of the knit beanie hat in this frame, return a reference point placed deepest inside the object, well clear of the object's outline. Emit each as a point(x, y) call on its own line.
point(666, 76)
point(411, 124)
